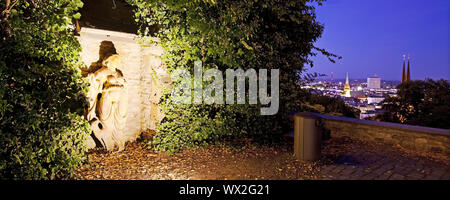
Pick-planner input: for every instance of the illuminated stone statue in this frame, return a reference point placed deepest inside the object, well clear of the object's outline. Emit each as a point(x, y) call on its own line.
point(108, 100)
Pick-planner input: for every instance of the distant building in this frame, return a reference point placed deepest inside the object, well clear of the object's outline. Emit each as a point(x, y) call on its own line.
point(374, 82)
point(366, 108)
point(367, 114)
point(361, 97)
point(393, 95)
point(374, 100)
point(370, 113)
point(347, 87)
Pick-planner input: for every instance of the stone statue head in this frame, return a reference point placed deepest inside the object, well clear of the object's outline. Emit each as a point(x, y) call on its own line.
point(113, 62)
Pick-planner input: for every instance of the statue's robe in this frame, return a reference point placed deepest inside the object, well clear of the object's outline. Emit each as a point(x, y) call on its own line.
point(108, 101)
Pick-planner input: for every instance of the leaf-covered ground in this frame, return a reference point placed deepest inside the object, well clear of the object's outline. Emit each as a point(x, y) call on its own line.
point(342, 159)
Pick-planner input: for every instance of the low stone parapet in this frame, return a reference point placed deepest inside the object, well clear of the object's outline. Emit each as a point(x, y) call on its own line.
point(410, 137)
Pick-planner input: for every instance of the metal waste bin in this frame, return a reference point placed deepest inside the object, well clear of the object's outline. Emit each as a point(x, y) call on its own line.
point(307, 136)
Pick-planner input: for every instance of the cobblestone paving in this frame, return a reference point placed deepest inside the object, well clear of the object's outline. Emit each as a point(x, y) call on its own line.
point(365, 161)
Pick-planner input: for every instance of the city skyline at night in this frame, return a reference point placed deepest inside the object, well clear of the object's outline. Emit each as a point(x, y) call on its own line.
point(372, 38)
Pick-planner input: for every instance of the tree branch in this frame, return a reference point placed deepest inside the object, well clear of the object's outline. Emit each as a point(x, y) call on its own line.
point(9, 6)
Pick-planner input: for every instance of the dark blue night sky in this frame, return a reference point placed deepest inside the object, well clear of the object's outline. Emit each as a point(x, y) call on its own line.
point(372, 36)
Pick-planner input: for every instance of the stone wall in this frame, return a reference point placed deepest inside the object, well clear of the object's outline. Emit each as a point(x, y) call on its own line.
point(407, 136)
point(141, 68)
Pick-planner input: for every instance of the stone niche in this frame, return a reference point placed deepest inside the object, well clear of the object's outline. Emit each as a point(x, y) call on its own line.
point(142, 78)
point(126, 76)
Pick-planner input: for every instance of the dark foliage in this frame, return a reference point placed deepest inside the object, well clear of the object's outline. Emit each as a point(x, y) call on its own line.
point(42, 133)
point(423, 103)
point(229, 34)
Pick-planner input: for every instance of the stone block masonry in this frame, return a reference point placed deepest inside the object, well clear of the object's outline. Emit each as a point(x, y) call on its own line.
point(410, 137)
point(143, 71)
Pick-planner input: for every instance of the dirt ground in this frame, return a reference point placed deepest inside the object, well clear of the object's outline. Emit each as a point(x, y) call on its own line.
point(341, 159)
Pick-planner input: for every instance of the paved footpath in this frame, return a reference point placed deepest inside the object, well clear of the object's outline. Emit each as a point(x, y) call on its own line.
point(343, 159)
point(364, 161)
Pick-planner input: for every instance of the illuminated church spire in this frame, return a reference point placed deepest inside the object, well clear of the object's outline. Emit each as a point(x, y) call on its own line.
point(347, 87)
point(346, 80)
point(403, 73)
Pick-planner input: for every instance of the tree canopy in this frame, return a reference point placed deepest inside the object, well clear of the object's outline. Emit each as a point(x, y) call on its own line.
point(423, 103)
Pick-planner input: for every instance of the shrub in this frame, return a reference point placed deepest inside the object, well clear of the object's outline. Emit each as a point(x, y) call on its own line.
point(42, 133)
point(258, 34)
